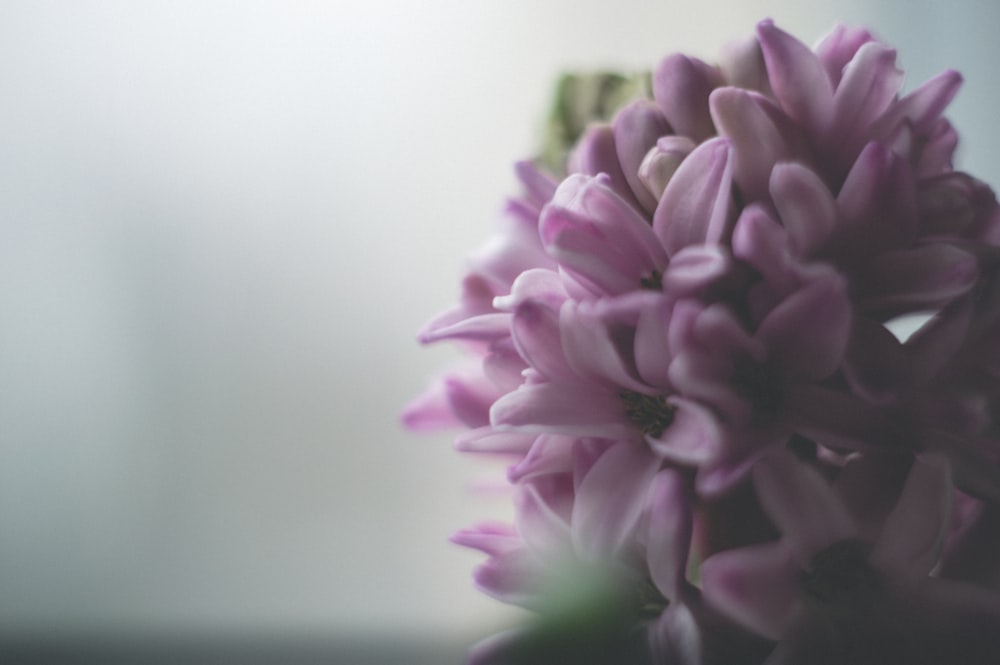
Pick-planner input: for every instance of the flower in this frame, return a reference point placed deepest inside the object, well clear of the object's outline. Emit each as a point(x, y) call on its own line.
point(681, 343)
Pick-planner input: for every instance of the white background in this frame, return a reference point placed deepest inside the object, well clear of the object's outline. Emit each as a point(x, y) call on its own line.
point(221, 224)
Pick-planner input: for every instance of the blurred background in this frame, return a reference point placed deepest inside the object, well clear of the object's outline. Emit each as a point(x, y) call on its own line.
point(221, 224)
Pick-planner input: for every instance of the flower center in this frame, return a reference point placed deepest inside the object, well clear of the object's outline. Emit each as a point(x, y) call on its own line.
point(839, 574)
point(650, 413)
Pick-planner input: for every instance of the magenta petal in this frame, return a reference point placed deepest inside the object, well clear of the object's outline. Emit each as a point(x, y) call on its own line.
point(681, 86)
point(539, 285)
point(839, 47)
point(806, 334)
point(695, 269)
point(923, 106)
point(541, 526)
point(669, 537)
point(662, 161)
point(805, 206)
point(652, 348)
point(636, 129)
point(877, 203)
point(592, 349)
point(871, 81)
point(758, 134)
point(536, 334)
point(913, 534)
point(765, 245)
point(571, 409)
point(695, 207)
point(511, 577)
point(540, 186)
point(921, 278)
point(549, 453)
point(938, 340)
point(610, 500)
point(797, 77)
point(803, 506)
point(693, 438)
point(875, 365)
point(492, 538)
point(481, 328)
point(489, 441)
point(596, 153)
point(755, 586)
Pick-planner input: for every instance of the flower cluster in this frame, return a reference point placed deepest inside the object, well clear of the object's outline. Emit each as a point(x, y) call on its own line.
point(686, 347)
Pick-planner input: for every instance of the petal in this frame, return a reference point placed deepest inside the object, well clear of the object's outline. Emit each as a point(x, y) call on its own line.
point(681, 86)
point(652, 350)
point(669, 537)
point(694, 437)
point(536, 335)
point(492, 538)
point(807, 333)
point(697, 268)
point(797, 77)
point(875, 364)
point(924, 105)
point(754, 586)
point(549, 454)
point(871, 81)
point(912, 537)
point(877, 203)
point(759, 135)
point(921, 278)
point(611, 499)
point(481, 328)
point(696, 207)
point(596, 153)
point(539, 185)
point(742, 65)
point(511, 577)
point(662, 161)
point(765, 245)
point(802, 505)
point(593, 349)
point(839, 420)
point(805, 206)
point(571, 409)
point(543, 528)
point(975, 470)
point(636, 129)
point(838, 48)
point(487, 440)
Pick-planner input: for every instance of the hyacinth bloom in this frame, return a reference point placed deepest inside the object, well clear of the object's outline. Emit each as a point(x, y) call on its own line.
point(681, 345)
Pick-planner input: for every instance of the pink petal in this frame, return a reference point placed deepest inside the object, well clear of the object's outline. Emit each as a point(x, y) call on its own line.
point(913, 534)
point(920, 278)
point(697, 268)
point(571, 409)
point(759, 136)
point(596, 153)
point(755, 586)
point(765, 245)
point(536, 335)
point(481, 328)
point(652, 349)
point(669, 537)
point(593, 350)
point(549, 453)
point(610, 500)
point(492, 538)
point(877, 203)
point(662, 161)
point(694, 437)
point(875, 364)
point(802, 505)
point(797, 77)
point(806, 334)
point(487, 440)
point(543, 529)
point(539, 284)
point(695, 207)
point(871, 81)
point(923, 106)
point(511, 577)
point(839, 47)
point(805, 206)
point(681, 86)
point(539, 185)
point(636, 129)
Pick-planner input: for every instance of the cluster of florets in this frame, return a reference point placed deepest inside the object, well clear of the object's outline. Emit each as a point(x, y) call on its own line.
point(686, 347)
